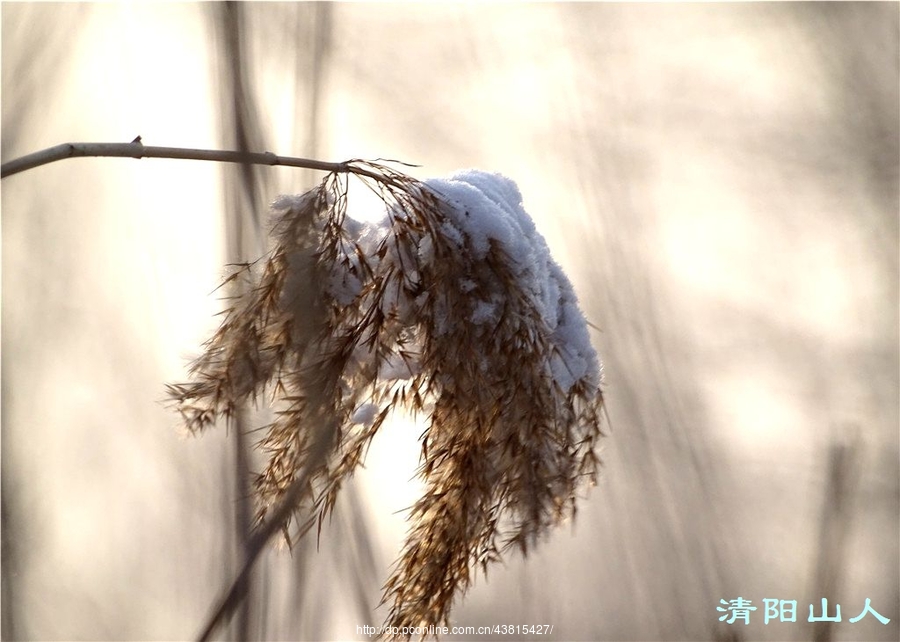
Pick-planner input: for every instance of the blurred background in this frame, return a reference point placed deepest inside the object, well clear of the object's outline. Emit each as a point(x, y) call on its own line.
point(720, 182)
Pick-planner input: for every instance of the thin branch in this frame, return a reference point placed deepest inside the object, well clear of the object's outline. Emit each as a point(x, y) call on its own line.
point(136, 149)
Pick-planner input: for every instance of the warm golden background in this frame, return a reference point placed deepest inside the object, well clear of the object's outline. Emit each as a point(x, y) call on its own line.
point(720, 181)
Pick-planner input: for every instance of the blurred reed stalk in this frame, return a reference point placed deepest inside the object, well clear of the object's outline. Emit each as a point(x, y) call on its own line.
point(844, 460)
point(243, 185)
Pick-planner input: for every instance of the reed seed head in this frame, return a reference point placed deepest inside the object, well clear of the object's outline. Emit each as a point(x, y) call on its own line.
point(451, 308)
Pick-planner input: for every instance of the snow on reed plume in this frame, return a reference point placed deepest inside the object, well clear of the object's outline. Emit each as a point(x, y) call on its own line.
point(452, 308)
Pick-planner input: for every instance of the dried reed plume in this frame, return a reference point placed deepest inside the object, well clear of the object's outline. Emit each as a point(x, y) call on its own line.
point(440, 311)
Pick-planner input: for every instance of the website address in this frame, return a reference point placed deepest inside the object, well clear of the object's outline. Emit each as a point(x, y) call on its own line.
point(431, 631)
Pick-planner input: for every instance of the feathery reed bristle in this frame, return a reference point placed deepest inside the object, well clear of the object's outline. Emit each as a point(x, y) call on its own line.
point(451, 308)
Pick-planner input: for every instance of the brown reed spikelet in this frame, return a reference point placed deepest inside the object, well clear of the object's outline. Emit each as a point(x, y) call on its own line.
point(450, 308)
